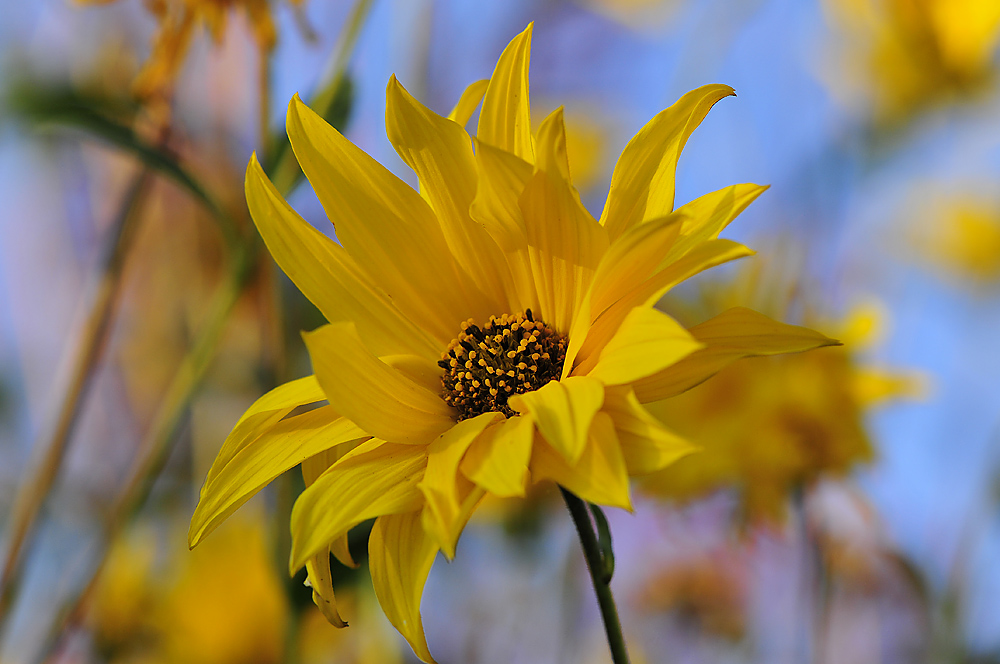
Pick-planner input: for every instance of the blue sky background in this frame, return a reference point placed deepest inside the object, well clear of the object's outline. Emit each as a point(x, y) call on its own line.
point(935, 482)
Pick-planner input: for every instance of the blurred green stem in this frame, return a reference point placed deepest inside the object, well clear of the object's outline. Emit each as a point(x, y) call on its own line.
point(80, 374)
point(599, 575)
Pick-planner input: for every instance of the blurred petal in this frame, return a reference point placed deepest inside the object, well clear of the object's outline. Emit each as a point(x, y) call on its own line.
point(647, 341)
point(385, 226)
point(327, 276)
point(642, 185)
point(440, 153)
point(600, 475)
point(646, 444)
point(468, 102)
point(284, 446)
point(505, 119)
point(400, 555)
point(375, 479)
point(498, 460)
point(563, 411)
point(369, 392)
point(733, 334)
point(445, 511)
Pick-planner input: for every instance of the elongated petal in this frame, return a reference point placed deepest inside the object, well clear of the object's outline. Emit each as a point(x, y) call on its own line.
point(707, 216)
point(468, 102)
point(312, 468)
point(378, 398)
point(502, 178)
point(284, 446)
point(264, 414)
point(642, 185)
point(730, 336)
point(440, 153)
point(320, 579)
point(327, 275)
point(385, 226)
point(647, 341)
point(565, 245)
point(376, 478)
point(704, 256)
point(498, 460)
point(600, 476)
point(505, 119)
point(445, 492)
point(647, 445)
point(400, 555)
point(563, 411)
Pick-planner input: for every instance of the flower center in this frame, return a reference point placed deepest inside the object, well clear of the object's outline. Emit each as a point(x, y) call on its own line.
point(511, 354)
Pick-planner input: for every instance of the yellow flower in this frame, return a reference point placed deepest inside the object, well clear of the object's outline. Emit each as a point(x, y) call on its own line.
point(485, 333)
point(178, 21)
point(222, 604)
point(905, 54)
point(960, 235)
point(769, 426)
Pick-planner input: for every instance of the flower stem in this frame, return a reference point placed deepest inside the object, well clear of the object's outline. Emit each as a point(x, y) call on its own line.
point(602, 584)
point(34, 490)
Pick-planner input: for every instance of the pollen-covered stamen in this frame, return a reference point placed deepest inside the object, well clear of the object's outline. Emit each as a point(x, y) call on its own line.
point(511, 354)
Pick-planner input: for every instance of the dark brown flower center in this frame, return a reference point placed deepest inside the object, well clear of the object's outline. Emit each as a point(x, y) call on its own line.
point(511, 354)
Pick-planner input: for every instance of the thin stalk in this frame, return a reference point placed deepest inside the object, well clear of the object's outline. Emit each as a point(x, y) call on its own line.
point(156, 444)
point(35, 488)
point(602, 584)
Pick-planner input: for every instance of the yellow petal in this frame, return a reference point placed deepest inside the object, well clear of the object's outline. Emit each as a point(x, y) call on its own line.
point(498, 460)
point(704, 256)
point(642, 185)
point(285, 445)
point(385, 226)
point(599, 477)
point(565, 245)
point(369, 392)
point(312, 468)
point(552, 156)
point(502, 177)
point(445, 510)
point(733, 334)
point(647, 341)
point(320, 579)
point(374, 479)
point(505, 119)
point(468, 102)
point(563, 411)
point(400, 555)
point(707, 216)
point(327, 276)
point(646, 444)
point(440, 153)
point(264, 414)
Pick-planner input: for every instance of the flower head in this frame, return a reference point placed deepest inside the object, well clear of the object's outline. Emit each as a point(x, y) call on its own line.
point(485, 333)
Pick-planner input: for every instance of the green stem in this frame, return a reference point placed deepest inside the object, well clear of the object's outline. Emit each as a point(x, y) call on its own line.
point(602, 584)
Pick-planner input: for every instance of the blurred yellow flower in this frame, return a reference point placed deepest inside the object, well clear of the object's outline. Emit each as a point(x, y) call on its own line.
point(374, 643)
point(428, 410)
point(904, 54)
point(960, 236)
point(770, 426)
point(636, 14)
point(178, 20)
point(222, 604)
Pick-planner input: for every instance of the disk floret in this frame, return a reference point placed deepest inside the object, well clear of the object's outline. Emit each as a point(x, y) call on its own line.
point(511, 354)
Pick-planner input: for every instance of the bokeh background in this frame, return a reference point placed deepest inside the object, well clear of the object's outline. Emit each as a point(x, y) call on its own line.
point(847, 509)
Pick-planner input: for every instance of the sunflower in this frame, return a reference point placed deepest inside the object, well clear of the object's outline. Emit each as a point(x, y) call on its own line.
point(485, 333)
